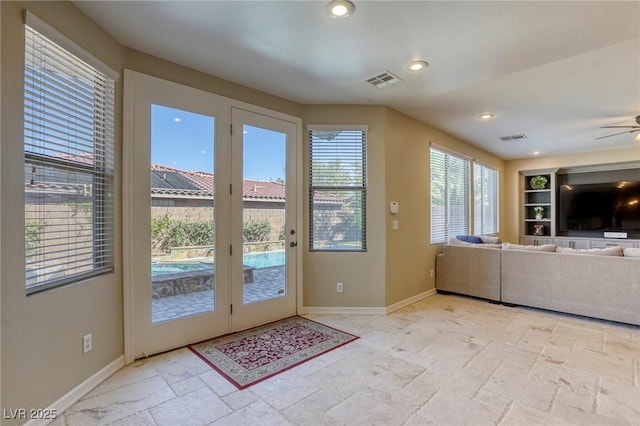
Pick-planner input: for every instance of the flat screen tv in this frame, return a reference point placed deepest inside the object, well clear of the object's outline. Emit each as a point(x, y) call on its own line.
point(590, 209)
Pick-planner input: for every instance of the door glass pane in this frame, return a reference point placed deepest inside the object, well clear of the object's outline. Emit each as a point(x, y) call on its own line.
point(182, 213)
point(264, 205)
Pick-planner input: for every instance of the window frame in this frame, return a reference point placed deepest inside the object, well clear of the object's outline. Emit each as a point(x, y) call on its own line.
point(466, 196)
point(64, 84)
point(495, 187)
point(359, 187)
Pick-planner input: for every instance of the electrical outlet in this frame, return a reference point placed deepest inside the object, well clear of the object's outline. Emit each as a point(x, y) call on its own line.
point(87, 343)
point(339, 287)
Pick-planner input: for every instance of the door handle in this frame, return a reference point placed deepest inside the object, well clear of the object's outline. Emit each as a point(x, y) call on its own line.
point(293, 243)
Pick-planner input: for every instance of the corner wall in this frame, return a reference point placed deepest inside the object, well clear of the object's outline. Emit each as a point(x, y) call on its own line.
point(363, 273)
point(512, 193)
point(409, 255)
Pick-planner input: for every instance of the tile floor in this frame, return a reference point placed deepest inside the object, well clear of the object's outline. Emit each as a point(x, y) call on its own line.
point(446, 360)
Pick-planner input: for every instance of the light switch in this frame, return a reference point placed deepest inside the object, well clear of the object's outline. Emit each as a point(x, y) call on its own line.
point(394, 224)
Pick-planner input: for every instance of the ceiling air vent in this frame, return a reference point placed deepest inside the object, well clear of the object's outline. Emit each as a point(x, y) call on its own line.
point(513, 137)
point(383, 79)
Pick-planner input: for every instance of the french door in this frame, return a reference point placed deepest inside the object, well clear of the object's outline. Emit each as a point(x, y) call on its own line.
point(210, 215)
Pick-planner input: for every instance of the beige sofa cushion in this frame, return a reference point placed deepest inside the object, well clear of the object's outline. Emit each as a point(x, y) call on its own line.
point(609, 251)
point(632, 252)
point(457, 242)
point(544, 247)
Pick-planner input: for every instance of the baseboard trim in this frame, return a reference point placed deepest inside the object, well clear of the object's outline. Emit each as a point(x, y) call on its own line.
point(354, 310)
point(342, 310)
point(409, 301)
point(76, 394)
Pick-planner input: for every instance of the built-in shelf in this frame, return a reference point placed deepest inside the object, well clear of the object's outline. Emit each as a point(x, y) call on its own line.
point(538, 197)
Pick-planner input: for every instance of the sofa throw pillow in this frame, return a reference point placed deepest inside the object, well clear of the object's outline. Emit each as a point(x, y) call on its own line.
point(609, 251)
point(470, 239)
point(490, 240)
point(544, 247)
point(632, 252)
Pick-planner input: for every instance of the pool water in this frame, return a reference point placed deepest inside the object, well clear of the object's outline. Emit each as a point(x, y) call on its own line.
point(263, 259)
point(175, 268)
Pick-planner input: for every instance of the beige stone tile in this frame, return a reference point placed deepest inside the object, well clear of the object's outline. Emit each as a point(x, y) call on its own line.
point(450, 409)
point(580, 409)
point(258, 413)
point(312, 409)
point(622, 346)
point(186, 386)
point(141, 418)
point(196, 408)
point(579, 382)
point(495, 402)
point(425, 361)
point(483, 364)
point(138, 371)
point(535, 339)
point(510, 354)
point(512, 383)
point(240, 399)
point(462, 383)
point(372, 406)
point(217, 383)
point(590, 363)
point(619, 401)
point(452, 352)
point(107, 407)
point(586, 337)
point(179, 365)
point(284, 390)
point(485, 335)
point(415, 339)
point(520, 414)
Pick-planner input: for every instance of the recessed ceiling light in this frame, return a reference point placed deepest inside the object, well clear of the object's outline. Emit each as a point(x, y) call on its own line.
point(486, 116)
point(536, 153)
point(339, 8)
point(418, 65)
point(177, 120)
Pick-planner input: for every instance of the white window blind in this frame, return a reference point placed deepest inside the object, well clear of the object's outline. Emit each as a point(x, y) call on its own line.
point(449, 196)
point(337, 190)
point(485, 197)
point(69, 165)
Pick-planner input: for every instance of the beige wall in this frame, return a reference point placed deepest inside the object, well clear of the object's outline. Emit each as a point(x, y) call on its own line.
point(362, 273)
point(512, 198)
point(409, 255)
point(41, 334)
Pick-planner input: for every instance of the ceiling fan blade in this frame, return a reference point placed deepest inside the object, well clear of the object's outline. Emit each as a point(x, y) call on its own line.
point(620, 127)
point(620, 133)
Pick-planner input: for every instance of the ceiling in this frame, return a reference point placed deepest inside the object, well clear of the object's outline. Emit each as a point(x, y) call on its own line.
point(554, 71)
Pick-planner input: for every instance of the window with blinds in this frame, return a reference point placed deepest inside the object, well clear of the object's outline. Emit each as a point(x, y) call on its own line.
point(69, 165)
point(485, 199)
point(450, 176)
point(337, 190)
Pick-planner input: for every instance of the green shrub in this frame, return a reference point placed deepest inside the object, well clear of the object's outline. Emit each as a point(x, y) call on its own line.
point(33, 236)
point(255, 230)
point(166, 233)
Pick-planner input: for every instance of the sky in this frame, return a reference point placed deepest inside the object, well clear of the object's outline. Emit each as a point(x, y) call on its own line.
point(185, 140)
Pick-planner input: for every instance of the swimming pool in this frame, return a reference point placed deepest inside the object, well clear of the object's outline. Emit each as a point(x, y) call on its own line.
point(176, 268)
point(264, 259)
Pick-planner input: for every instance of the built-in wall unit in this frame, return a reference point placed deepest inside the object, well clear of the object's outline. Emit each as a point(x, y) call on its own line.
point(582, 207)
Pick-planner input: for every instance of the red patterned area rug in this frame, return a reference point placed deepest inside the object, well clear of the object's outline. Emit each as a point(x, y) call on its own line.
point(254, 355)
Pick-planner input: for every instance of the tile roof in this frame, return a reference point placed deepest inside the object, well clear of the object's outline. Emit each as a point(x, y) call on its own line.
point(168, 181)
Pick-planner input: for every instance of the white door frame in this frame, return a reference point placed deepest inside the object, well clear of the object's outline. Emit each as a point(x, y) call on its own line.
point(132, 82)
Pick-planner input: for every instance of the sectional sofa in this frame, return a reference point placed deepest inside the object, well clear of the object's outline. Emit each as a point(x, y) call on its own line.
point(601, 284)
